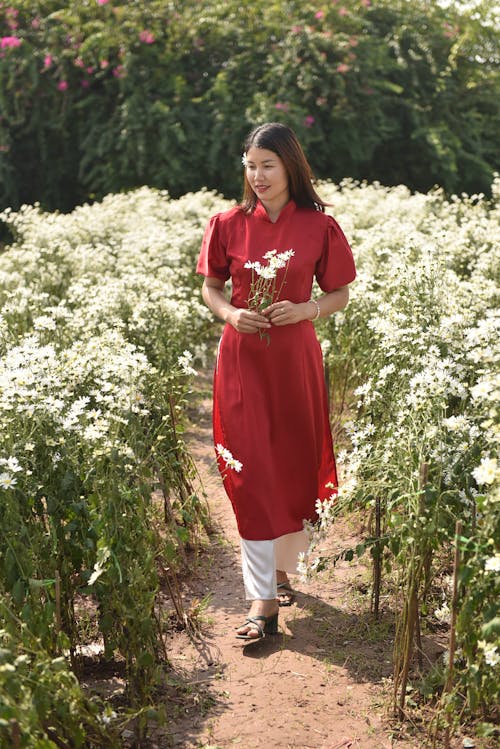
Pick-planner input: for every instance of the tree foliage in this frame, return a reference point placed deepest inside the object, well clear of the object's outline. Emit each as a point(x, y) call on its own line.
point(97, 96)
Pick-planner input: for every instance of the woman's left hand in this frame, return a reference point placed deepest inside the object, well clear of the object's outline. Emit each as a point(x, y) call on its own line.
point(286, 313)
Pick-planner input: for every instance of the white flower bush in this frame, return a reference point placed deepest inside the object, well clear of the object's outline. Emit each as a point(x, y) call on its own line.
point(100, 326)
point(418, 344)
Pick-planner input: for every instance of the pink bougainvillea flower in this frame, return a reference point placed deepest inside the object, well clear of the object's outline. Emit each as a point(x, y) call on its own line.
point(102, 2)
point(62, 86)
point(343, 11)
point(353, 41)
point(146, 36)
point(10, 41)
point(79, 62)
point(90, 70)
point(343, 68)
point(296, 29)
point(119, 71)
point(320, 14)
point(282, 105)
point(366, 3)
point(104, 64)
point(85, 83)
point(10, 17)
point(309, 120)
point(47, 61)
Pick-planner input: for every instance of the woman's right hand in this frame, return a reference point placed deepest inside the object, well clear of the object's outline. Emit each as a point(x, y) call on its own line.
point(247, 321)
point(243, 320)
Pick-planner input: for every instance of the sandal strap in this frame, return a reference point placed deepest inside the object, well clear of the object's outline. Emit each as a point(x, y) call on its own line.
point(255, 620)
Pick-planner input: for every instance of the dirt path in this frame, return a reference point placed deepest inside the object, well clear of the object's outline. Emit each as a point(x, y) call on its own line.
point(318, 684)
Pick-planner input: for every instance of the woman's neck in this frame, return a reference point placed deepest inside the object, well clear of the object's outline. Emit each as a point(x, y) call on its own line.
point(274, 207)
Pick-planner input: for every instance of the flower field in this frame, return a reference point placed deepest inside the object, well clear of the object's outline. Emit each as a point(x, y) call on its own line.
point(101, 329)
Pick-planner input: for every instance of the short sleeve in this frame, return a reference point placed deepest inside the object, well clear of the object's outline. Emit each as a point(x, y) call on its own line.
point(335, 268)
point(212, 260)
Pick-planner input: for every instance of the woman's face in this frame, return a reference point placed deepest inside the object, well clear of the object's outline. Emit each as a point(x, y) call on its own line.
point(267, 176)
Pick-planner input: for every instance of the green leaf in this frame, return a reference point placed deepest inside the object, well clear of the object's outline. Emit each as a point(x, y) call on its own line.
point(182, 533)
point(491, 629)
point(18, 592)
point(394, 88)
point(145, 660)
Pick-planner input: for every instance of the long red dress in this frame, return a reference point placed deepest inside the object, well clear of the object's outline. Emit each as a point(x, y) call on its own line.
point(269, 398)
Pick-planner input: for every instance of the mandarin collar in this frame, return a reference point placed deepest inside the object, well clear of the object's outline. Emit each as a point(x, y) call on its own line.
point(287, 210)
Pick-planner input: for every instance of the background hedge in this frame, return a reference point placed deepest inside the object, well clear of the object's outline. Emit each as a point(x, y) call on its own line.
point(97, 96)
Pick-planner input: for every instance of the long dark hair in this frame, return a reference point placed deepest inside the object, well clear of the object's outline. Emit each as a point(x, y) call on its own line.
point(279, 138)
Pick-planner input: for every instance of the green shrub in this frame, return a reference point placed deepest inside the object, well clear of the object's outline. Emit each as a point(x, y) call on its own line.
point(97, 310)
point(42, 703)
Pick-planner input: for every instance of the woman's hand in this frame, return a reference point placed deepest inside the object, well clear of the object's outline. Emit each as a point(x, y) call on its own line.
point(288, 313)
point(246, 321)
point(243, 320)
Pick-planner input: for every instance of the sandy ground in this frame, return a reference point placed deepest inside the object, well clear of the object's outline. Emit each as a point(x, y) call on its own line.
point(322, 682)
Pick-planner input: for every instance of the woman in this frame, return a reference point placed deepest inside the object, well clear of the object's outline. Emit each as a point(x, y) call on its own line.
point(270, 414)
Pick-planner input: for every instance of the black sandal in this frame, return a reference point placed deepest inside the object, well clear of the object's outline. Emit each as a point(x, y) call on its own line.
point(270, 627)
point(285, 589)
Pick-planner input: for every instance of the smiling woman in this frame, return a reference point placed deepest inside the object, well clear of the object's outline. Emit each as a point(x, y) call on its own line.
point(270, 407)
point(268, 179)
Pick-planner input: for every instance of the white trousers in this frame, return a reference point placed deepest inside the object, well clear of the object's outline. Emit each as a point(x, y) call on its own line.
point(261, 559)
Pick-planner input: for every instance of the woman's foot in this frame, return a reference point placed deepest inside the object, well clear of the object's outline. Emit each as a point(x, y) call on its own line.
point(285, 595)
point(255, 630)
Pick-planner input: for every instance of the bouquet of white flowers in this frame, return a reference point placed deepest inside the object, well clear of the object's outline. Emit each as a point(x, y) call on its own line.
point(264, 288)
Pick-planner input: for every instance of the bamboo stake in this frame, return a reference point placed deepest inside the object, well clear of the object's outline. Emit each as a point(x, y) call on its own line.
point(397, 659)
point(58, 602)
point(377, 561)
point(168, 513)
point(328, 386)
point(418, 641)
point(453, 625)
point(422, 482)
point(344, 386)
point(423, 478)
point(411, 616)
point(16, 734)
point(184, 485)
point(175, 596)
